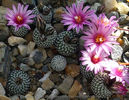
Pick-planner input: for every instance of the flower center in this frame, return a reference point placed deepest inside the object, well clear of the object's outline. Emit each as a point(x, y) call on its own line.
point(78, 19)
point(100, 39)
point(119, 71)
point(95, 59)
point(19, 19)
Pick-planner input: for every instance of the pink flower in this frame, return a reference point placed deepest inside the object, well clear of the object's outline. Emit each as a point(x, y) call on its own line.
point(76, 16)
point(19, 17)
point(99, 38)
point(120, 89)
point(102, 19)
point(93, 61)
point(116, 71)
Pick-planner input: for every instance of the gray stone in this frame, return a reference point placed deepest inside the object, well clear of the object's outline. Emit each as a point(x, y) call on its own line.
point(113, 13)
point(63, 97)
point(95, 6)
point(30, 47)
point(123, 19)
point(66, 85)
point(24, 67)
point(47, 84)
point(22, 49)
point(15, 52)
point(116, 52)
point(15, 97)
point(13, 40)
point(39, 93)
point(3, 11)
point(37, 56)
point(4, 32)
point(2, 90)
point(54, 94)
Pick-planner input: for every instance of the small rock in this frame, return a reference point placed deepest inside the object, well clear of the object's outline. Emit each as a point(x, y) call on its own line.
point(54, 94)
point(113, 13)
point(50, 53)
point(2, 90)
point(44, 53)
point(3, 11)
point(30, 61)
point(92, 98)
point(2, 44)
point(59, 27)
point(22, 49)
point(63, 97)
point(45, 69)
point(116, 52)
point(38, 66)
point(95, 6)
point(37, 56)
point(123, 19)
point(8, 3)
point(13, 40)
point(24, 67)
point(75, 89)
point(39, 93)
point(72, 70)
point(47, 84)
point(4, 98)
point(30, 47)
point(4, 32)
point(15, 52)
point(57, 13)
point(15, 97)
point(45, 77)
point(29, 97)
point(66, 85)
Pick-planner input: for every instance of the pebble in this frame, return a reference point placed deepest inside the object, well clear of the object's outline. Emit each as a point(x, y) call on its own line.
point(29, 96)
point(76, 88)
point(24, 67)
point(47, 84)
point(95, 6)
point(2, 44)
point(2, 90)
point(54, 94)
point(15, 52)
point(38, 66)
point(30, 47)
point(63, 97)
point(44, 53)
point(45, 69)
point(45, 77)
point(113, 13)
point(37, 56)
point(22, 49)
point(116, 52)
point(4, 32)
point(4, 98)
point(65, 85)
point(15, 97)
point(59, 27)
point(2, 15)
point(39, 93)
point(72, 70)
point(123, 19)
point(13, 40)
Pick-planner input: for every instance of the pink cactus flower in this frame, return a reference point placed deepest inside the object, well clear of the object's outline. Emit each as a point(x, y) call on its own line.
point(77, 16)
point(102, 19)
point(116, 71)
point(99, 38)
point(19, 17)
point(93, 61)
point(120, 89)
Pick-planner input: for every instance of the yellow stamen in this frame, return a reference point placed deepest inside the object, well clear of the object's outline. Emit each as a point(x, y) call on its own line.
point(78, 19)
point(99, 39)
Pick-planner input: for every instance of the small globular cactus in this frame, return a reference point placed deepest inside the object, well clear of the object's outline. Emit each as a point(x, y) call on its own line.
point(18, 82)
point(58, 63)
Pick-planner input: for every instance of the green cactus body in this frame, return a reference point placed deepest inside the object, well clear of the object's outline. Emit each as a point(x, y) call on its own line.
point(21, 32)
point(98, 86)
point(46, 41)
point(64, 48)
point(18, 82)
